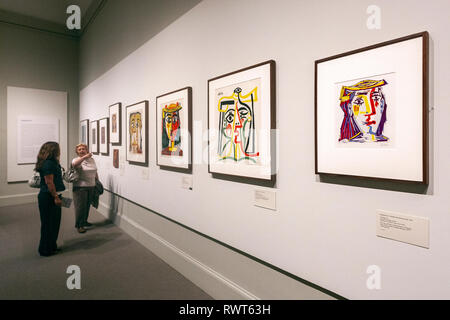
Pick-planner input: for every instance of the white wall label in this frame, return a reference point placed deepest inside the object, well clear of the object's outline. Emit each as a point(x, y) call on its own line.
point(405, 228)
point(32, 133)
point(265, 199)
point(186, 182)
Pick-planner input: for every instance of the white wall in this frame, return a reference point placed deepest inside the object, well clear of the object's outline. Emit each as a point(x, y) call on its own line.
point(315, 234)
point(31, 58)
point(33, 103)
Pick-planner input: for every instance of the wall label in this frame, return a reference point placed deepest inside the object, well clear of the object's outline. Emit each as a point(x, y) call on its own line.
point(265, 199)
point(405, 228)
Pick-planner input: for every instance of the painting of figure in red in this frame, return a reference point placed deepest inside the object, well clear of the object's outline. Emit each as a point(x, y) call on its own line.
point(171, 130)
point(365, 111)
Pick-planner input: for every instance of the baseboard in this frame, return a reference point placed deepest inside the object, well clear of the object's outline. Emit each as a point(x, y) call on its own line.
point(18, 199)
point(209, 280)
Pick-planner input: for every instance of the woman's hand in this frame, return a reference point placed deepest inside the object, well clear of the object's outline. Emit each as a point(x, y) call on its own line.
point(58, 201)
point(87, 156)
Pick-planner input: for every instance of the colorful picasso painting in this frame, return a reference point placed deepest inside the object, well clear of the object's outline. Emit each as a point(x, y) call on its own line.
point(171, 130)
point(135, 131)
point(364, 106)
point(237, 106)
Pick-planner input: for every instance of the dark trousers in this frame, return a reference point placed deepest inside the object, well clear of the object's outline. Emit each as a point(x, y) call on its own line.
point(50, 222)
point(82, 197)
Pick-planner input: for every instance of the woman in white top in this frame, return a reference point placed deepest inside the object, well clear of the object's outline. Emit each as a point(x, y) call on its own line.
point(83, 188)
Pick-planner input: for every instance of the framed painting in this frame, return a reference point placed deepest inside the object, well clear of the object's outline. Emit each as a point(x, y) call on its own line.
point(242, 124)
point(94, 146)
point(116, 158)
point(104, 136)
point(174, 129)
point(137, 133)
point(115, 121)
point(371, 111)
point(84, 132)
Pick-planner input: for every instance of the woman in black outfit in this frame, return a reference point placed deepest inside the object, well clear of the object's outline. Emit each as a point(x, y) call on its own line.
point(49, 201)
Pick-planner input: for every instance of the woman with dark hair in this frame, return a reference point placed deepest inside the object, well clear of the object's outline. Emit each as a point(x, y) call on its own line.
point(49, 201)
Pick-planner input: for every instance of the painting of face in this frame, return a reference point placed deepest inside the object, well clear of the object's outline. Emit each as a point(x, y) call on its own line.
point(364, 106)
point(116, 158)
point(114, 123)
point(135, 129)
point(237, 126)
point(103, 135)
point(242, 123)
point(171, 138)
point(137, 133)
point(83, 134)
point(173, 130)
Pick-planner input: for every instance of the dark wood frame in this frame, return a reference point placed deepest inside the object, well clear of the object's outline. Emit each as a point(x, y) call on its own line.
point(98, 142)
point(144, 164)
point(425, 94)
point(119, 124)
point(189, 126)
point(88, 133)
point(107, 136)
point(244, 179)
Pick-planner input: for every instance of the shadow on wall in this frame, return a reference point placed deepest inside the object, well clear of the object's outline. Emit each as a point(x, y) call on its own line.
point(113, 199)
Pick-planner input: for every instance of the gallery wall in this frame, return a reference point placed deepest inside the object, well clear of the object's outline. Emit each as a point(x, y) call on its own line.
point(35, 59)
point(324, 229)
point(33, 115)
point(120, 28)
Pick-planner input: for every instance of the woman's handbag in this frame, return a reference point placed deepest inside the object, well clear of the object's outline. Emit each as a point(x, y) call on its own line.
point(70, 176)
point(35, 181)
point(98, 187)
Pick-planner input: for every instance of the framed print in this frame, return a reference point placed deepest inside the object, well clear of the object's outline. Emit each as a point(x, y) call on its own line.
point(84, 132)
point(115, 122)
point(137, 133)
point(104, 136)
point(241, 122)
point(94, 147)
point(371, 111)
point(116, 158)
point(173, 129)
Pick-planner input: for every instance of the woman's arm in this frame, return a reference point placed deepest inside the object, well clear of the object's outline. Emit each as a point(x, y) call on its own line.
point(52, 189)
point(77, 162)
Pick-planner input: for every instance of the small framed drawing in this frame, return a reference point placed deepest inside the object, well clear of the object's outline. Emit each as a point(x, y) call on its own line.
point(116, 158)
point(242, 123)
point(137, 133)
point(371, 111)
point(84, 132)
point(94, 147)
point(104, 136)
point(115, 121)
point(174, 129)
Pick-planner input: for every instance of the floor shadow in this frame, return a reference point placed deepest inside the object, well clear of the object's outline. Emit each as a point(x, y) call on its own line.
point(104, 223)
point(91, 242)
